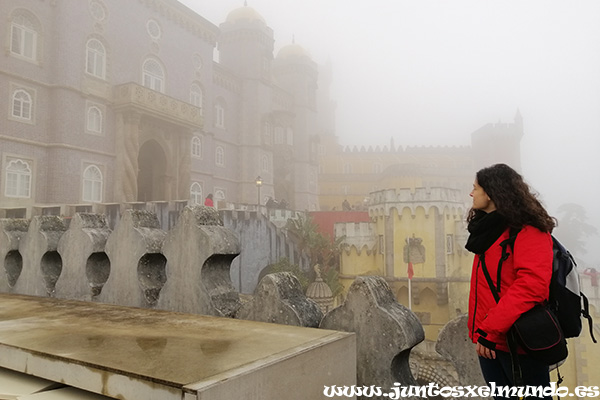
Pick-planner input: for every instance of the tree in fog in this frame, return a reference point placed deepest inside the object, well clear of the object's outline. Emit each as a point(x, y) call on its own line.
point(573, 228)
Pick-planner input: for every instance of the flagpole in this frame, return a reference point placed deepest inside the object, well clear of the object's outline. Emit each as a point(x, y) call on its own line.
point(409, 294)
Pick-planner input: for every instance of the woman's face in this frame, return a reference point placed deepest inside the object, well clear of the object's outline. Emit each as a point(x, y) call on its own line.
point(481, 201)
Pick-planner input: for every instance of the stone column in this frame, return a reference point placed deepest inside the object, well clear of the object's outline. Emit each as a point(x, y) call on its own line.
point(185, 165)
point(127, 149)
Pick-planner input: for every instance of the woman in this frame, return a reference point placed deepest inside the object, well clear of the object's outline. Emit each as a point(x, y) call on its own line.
point(209, 200)
point(501, 201)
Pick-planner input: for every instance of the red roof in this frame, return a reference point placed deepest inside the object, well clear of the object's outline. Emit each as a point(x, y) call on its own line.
point(325, 220)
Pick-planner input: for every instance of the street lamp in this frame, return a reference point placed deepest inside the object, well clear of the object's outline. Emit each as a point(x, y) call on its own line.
point(259, 183)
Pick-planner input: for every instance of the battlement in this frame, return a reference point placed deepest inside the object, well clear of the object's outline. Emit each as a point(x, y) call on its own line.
point(408, 149)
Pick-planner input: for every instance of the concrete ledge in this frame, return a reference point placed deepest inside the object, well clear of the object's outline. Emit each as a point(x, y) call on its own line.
point(134, 353)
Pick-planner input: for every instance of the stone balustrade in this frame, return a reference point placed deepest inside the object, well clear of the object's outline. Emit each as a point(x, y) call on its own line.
point(187, 269)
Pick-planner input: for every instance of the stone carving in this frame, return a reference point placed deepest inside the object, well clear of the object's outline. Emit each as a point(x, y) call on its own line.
point(279, 299)
point(454, 344)
point(198, 279)
point(86, 266)
point(42, 265)
point(386, 332)
point(11, 232)
point(414, 251)
point(139, 266)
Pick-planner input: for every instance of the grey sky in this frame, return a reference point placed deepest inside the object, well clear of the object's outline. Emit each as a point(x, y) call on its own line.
point(430, 72)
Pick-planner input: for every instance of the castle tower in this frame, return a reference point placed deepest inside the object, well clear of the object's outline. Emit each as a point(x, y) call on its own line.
point(296, 73)
point(498, 143)
point(246, 49)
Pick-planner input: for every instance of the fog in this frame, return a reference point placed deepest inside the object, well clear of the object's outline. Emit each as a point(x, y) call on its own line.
point(431, 72)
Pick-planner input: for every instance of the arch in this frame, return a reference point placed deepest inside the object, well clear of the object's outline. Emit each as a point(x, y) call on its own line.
point(24, 35)
point(94, 119)
point(152, 176)
point(196, 95)
point(220, 111)
point(220, 156)
point(95, 58)
point(196, 147)
point(265, 164)
point(18, 179)
point(153, 75)
point(22, 105)
point(92, 184)
point(196, 193)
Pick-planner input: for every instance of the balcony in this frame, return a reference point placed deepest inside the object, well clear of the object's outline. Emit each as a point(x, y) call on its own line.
point(133, 97)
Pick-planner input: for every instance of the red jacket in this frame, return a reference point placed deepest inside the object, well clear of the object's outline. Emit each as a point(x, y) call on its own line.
point(525, 281)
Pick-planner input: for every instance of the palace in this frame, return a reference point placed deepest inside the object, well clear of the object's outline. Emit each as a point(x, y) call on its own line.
point(108, 101)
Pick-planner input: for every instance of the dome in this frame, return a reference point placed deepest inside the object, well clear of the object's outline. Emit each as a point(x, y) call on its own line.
point(292, 51)
point(244, 13)
point(320, 293)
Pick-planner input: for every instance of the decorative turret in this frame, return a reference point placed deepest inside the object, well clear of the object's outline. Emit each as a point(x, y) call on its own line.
point(320, 293)
point(498, 143)
point(246, 43)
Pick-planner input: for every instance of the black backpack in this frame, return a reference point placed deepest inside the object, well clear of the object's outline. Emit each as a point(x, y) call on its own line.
point(566, 299)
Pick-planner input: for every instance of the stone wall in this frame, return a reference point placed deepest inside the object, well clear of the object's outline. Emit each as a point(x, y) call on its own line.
point(187, 269)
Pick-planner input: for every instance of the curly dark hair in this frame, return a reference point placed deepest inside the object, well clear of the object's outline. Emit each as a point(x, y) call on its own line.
point(513, 198)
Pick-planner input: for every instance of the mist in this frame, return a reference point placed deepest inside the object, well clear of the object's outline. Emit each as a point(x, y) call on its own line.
point(431, 72)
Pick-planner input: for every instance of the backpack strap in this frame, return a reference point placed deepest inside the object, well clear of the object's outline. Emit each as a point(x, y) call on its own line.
point(586, 314)
point(512, 237)
point(495, 289)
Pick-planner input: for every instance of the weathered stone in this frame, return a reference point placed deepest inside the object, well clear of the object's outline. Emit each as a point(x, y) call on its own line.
point(137, 263)
point(86, 266)
point(42, 265)
point(11, 233)
point(279, 299)
point(199, 252)
point(454, 344)
point(386, 331)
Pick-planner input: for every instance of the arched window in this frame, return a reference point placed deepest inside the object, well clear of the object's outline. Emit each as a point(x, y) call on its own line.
point(18, 179)
point(92, 184)
point(377, 168)
point(219, 195)
point(279, 134)
point(94, 119)
point(220, 156)
point(268, 132)
point(196, 193)
point(196, 95)
point(219, 115)
point(95, 58)
point(153, 75)
point(347, 168)
point(196, 147)
point(265, 163)
point(22, 105)
point(23, 37)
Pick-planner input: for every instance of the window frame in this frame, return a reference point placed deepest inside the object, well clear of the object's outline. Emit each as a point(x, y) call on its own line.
point(196, 95)
point(95, 59)
point(30, 102)
point(100, 120)
point(155, 81)
point(219, 156)
point(196, 197)
point(196, 146)
point(25, 28)
point(96, 186)
point(18, 180)
point(220, 115)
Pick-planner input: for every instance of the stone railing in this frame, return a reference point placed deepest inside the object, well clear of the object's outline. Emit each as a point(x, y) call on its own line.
point(134, 96)
point(187, 269)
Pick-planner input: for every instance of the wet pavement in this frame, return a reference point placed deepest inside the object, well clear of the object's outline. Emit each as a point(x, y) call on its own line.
point(165, 348)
